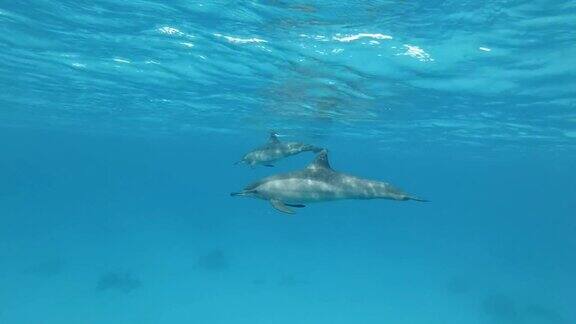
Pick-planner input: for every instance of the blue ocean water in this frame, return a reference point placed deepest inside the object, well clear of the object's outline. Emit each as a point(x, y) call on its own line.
point(120, 122)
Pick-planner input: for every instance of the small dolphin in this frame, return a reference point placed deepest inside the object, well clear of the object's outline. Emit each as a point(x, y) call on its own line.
point(275, 150)
point(318, 182)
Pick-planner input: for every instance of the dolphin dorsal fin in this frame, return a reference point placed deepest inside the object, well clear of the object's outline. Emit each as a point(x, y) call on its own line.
point(320, 161)
point(273, 139)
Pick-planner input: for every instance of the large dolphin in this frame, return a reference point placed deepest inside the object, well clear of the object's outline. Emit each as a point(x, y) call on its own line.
point(318, 182)
point(275, 150)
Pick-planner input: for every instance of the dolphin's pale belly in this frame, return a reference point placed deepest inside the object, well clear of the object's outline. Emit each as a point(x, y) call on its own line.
point(310, 190)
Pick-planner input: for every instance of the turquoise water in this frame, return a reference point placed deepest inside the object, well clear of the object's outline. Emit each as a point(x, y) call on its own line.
point(120, 122)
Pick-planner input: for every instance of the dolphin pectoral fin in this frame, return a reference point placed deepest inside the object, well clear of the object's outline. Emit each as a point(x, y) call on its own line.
point(296, 205)
point(280, 206)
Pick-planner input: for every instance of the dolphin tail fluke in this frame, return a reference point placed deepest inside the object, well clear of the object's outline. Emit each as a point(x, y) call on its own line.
point(242, 193)
point(417, 199)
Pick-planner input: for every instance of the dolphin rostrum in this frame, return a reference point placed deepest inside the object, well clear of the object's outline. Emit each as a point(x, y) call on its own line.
point(318, 182)
point(275, 150)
